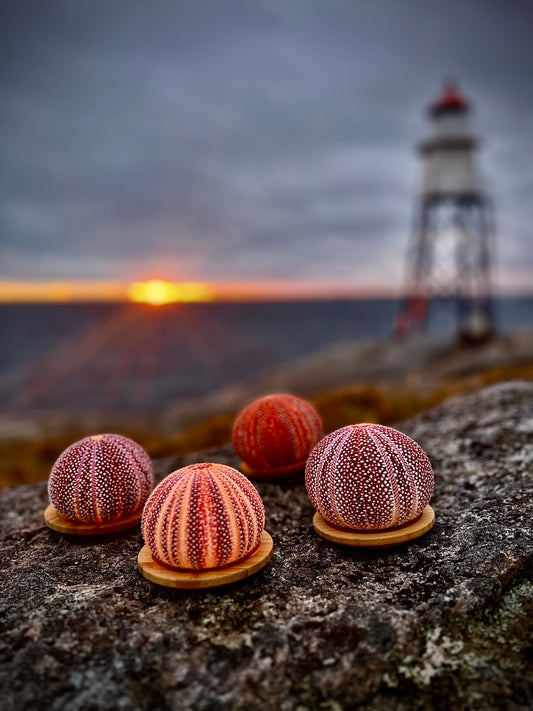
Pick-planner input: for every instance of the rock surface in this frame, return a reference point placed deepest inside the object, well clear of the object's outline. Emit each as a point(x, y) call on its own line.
point(444, 622)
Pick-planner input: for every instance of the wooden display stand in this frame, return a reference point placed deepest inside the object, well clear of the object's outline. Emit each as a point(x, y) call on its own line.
point(287, 471)
point(190, 580)
point(376, 539)
point(54, 520)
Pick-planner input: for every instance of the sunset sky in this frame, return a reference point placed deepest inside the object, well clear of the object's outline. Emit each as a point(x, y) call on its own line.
point(250, 140)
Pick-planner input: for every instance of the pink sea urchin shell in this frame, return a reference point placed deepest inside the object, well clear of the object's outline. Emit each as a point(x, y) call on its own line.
point(276, 431)
point(203, 516)
point(368, 477)
point(101, 478)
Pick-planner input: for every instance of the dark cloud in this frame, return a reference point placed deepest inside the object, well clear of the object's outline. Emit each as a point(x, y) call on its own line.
point(227, 138)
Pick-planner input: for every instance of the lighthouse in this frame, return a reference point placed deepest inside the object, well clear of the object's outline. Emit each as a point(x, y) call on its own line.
point(450, 253)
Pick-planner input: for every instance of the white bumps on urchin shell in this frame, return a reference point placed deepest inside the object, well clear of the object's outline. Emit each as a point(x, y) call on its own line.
point(101, 478)
point(368, 477)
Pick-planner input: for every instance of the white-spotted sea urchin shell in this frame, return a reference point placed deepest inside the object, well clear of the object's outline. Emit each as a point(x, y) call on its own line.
point(368, 477)
point(101, 478)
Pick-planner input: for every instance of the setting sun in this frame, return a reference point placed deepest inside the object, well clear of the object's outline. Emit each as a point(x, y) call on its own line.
point(157, 292)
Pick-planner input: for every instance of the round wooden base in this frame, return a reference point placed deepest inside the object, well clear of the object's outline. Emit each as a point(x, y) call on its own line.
point(377, 539)
point(54, 520)
point(274, 472)
point(189, 580)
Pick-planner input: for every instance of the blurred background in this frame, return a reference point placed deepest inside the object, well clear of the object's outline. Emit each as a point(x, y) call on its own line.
point(204, 202)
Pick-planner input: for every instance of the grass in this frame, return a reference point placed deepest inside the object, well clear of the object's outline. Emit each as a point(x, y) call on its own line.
point(25, 462)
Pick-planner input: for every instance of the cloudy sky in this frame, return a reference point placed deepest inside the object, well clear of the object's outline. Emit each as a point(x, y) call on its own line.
point(248, 139)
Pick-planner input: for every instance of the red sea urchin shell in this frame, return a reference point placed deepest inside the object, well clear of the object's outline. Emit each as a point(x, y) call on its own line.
point(203, 516)
point(368, 477)
point(276, 431)
point(101, 478)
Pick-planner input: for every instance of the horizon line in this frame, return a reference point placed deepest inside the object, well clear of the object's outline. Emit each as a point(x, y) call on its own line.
point(69, 291)
point(66, 291)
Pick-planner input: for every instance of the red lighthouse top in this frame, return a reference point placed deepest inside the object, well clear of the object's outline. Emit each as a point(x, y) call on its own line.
point(450, 99)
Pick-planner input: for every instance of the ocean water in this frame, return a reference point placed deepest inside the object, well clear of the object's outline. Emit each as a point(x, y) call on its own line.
point(138, 358)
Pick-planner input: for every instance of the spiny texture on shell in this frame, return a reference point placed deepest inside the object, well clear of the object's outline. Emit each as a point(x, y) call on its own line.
point(101, 478)
point(203, 516)
point(275, 431)
point(368, 477)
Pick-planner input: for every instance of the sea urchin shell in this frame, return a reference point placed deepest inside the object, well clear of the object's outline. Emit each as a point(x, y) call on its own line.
point(101, 478)
point(203, 516)
point(368, 477)
point(276, 431)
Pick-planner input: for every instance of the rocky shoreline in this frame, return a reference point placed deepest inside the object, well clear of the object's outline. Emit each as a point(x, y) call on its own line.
point(420, 364)
point(444, 622)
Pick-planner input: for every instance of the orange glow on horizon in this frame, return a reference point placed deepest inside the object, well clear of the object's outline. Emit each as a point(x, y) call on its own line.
point(158, 292)
point(59, 291)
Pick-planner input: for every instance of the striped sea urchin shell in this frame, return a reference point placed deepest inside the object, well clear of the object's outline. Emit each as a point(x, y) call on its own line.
point(368, 477)
point(101, 478)
point(203, 516)
point(276, 431)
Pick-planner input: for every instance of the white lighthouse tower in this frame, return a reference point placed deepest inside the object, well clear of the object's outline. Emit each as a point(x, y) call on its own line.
point(449, 261)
